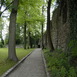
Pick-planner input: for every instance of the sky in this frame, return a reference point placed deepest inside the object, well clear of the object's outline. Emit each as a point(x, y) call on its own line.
point(6, 22)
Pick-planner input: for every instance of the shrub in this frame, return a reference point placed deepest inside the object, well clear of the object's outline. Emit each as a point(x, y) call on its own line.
point(72, 72)
point(55, 72)
point(63, 72)
point(1, 45)
point(58, 64)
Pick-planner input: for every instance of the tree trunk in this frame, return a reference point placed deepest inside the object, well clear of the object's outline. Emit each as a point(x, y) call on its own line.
point(2, 41)
point(12, 32)
point(46, 39)
point(48, 27)
point(30, 43)
point(42, 38)
point(42, 30)
point(25, 35)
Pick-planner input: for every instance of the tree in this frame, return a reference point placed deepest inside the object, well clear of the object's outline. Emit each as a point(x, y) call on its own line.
point(12, 32)
point(42, 27)
point(18, 36)
point(1, 27)
point(29, 14)
point(48, 27)
point(25, 35)
point(1, 4)
point(5, 3)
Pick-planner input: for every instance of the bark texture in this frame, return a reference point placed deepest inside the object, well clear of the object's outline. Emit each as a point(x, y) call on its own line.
point(48, 27)
point(42, 28)
point(12, 32)
point(25, 35)
point(42, 37)
point(30, 41)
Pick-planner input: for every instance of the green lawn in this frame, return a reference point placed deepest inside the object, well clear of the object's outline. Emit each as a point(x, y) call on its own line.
point(6, 64)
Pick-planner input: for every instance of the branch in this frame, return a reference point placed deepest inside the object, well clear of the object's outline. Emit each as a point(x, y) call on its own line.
point(2, 1)
point(7, 7)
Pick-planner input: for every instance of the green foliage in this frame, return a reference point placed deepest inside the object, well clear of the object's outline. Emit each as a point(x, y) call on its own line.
point(28, 11)
point(55, 72)
point(1, 45)
point(72, 52)
point(63, 71)
point(31, 13)
point(1, 26)
point(73, 47)
point(58, 64)
point(53, 1)
point(18, 36)
point(72, 72)
point(6, 39)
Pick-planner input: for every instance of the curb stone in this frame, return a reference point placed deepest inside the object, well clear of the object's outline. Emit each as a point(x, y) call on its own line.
point(15, 66)
point(47, 73)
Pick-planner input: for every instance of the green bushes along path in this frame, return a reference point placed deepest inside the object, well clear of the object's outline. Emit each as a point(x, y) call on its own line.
point(58, 64)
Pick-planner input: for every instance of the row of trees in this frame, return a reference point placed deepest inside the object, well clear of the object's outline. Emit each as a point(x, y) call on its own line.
point(26, 20)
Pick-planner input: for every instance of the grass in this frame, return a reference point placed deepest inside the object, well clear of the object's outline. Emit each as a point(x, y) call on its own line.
point(6, 64)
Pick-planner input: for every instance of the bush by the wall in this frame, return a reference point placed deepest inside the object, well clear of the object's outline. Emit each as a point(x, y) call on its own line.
point(58, 64)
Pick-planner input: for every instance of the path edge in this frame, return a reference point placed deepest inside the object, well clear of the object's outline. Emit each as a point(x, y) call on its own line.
point(45, 65)
point(16, 65)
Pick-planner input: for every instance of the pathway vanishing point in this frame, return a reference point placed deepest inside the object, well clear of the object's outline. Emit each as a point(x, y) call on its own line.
point(33, 66)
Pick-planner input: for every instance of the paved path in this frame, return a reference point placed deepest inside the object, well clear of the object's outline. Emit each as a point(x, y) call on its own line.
point(33, 66)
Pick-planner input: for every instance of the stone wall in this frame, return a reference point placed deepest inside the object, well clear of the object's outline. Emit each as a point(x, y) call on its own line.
point(64, 26)
point(60, 27)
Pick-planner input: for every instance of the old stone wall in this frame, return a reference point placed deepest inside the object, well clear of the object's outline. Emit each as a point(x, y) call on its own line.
point(64, 26)
point(60, 27)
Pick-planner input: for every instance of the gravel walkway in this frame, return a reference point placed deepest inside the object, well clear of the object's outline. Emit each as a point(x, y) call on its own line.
point(33, 66)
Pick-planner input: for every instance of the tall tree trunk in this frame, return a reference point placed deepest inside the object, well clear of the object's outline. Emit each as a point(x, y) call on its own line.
point(48, 27)
point(12, 32)
point(42, 38)
point(30, 43)
point(2, 41)
point(42, 30)
point(46, 39)
point(35, 44)
point(25, 35)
